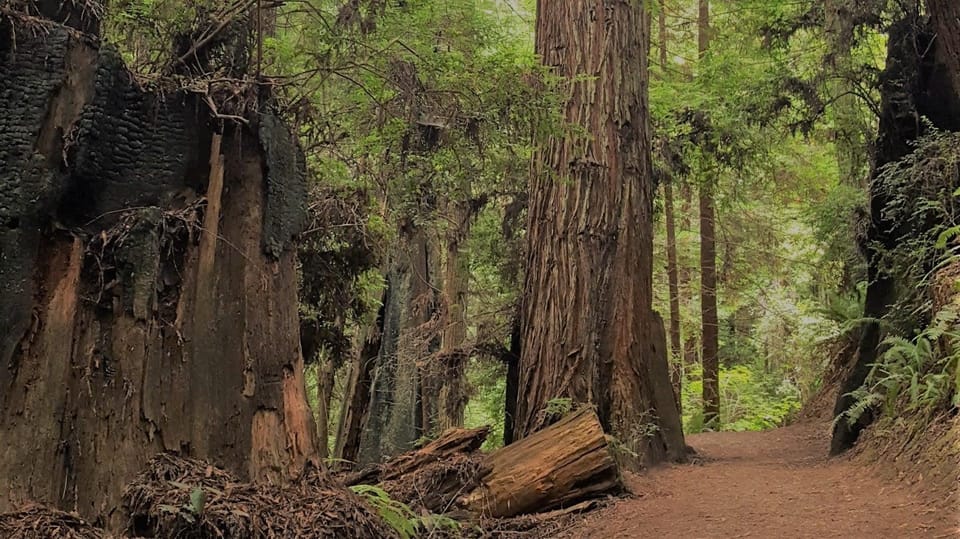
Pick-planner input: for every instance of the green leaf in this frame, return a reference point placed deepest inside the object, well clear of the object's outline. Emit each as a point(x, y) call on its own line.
point(197, 500)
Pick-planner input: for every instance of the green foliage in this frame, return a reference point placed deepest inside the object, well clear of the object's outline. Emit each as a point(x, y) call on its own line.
point(193, 508)
point(749, 400)
point(397, 515)
point(401, 518)
point(911, 375)
point(558, 407)
point(921, 192)
point(198, 499)
point(486, 405)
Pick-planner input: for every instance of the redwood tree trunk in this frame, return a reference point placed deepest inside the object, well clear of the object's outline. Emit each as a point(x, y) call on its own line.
point(587, 297)
point(708, 270)
point(136, 321)
point(945, 15)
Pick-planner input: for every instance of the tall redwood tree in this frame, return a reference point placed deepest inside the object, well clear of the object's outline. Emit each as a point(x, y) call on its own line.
point(589, 332)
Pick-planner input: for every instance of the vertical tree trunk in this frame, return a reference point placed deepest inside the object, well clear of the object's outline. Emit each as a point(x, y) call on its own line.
point(384, 381)
point(512, 359)
point(945, 15)
point(453, 362)
point(691, 344)
point(131, 329)
point(708, 269)
point(325, 379)
point(673, 276)
point(405, 387)
point(357, 396)
point(676, 350)
point(587, 308)
point(850, 129)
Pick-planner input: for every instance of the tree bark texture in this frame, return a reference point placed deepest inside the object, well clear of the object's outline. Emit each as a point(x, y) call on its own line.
point(325, 380)
point(384, 375)
point(945, 16)
point(587, 301)
point(512, 360)
point(399, 411)
point(358, 402)
point(708, 308)
point(673, 279)
point(134, 321)
point(691, 343)
point(558, 466)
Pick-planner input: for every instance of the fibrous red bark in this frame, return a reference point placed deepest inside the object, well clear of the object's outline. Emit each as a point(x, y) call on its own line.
point(588, 292)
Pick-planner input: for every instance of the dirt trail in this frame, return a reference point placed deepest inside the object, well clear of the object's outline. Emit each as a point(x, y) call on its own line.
point(774, 484)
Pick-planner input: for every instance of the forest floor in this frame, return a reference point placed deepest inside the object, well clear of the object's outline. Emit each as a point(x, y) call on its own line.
point(773, 484)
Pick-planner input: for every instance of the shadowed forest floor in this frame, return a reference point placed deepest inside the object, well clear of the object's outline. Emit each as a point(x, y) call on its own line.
point(772, 484)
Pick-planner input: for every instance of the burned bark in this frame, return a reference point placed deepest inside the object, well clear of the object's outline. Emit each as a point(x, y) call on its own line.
point(128, 331)
point(397, 408)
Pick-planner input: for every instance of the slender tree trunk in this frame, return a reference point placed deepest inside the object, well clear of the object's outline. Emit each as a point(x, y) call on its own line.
point(673, 277)
point(325, 379)
point(358, 395)
point(676, 348)
point(456, 272)
point(691, 344)
point(384, 383)
point(708, 310)
point(512, 360)
point(708, 269)
point(587, 308)
point(851, 130)
point(141, 322)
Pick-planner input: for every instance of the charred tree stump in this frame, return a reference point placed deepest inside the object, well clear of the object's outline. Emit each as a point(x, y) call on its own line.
point(133, 323)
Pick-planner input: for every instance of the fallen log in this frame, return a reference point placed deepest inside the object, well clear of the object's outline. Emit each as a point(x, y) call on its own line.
point(452, 443)
point(555, 467)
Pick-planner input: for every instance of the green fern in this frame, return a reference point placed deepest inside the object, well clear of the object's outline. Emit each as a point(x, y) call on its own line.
point(922, 370)
point(397, 515)
point(400, 517)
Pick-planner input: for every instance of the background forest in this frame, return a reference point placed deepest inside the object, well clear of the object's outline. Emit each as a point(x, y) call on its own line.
point(454, 206)
point(425, 226)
